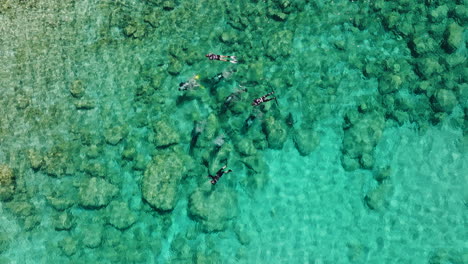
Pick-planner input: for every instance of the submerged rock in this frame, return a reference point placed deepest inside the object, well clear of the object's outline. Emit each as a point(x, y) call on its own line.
point(77, 89)
point(377, 199)
point(279, 44)
point(64, 221)
point(275, 132)
point(444, 100)
point(361, 135)
point(161, 180)
point(7, 183)
point(120, 216)
point(92, 235)
point(96, 193)
point(166, 134)
point(246, 147)
point(4, 242)
point(213, 209)
point(68, 245)
point(114, 135)
point(306, 141)
point(453, 37)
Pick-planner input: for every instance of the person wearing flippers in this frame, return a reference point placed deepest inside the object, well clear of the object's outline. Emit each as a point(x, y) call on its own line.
point(263, 99)
point(234, 96)
point(219, 174)
point(211, 56)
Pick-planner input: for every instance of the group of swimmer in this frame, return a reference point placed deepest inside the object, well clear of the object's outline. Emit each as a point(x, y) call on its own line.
point(192, 83)
point(233, 59)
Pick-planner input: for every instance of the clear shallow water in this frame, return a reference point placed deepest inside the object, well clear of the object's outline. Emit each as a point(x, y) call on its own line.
point(104, 160)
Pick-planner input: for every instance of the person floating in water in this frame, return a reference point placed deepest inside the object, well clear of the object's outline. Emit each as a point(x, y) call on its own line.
point(234, 96)
point(263, 99)
point(219, 174)
point(190, 84)
point(212, 56)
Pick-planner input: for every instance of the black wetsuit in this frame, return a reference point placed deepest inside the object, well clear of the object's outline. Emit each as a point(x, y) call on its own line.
point(219, 174)
point(263, 99)
point(212, 56)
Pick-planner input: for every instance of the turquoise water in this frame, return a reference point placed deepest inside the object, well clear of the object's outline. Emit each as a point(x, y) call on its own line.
point(361, 159)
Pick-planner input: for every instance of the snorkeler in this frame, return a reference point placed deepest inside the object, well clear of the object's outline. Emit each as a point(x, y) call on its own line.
point(190, 84)
point(263, 99)
point(223, 75)
point(219, 174)
point(212, 56)
point(234, 96)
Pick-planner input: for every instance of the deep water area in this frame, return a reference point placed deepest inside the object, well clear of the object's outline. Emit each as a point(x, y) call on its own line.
point(341, 126)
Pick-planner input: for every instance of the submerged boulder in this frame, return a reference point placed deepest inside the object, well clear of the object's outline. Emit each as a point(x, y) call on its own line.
point(306, 141)
point(7, 183)
point(165, 134)
point(444, 100)
point(213, 209)
point(378, 198)
point(120, 216)
point(161, 180)
point(276, 132)
point(453, 37)
point(96, 193)
point(361, 135)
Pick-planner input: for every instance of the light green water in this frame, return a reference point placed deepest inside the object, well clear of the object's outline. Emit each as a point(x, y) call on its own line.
point(362, 158)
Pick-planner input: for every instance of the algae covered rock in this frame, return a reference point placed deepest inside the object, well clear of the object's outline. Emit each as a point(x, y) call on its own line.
point(349, 163)
point(161, 180)
point(246, 147)
point(377, 199)
point(61, 197)
point(165, 134)
point(255, 72)
point(96, 193)
point(423, 44)
point(120, 216)
point(64, 221)
point(389, 83)
point(360, 138)
point(444, 100)
point(305, 141)
point(7, 183)
point(429, 66)
point(382, 174)
point(4, 242)
point(363, 135)
point(114, 135)
point(279, 45)
point(276, 132)
point(213, 209)
point(453, 37)
point(68, 245)
point(92, 235)
point(181, 248)
point(35, 158)
point(77, 89)
point(58, 161)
